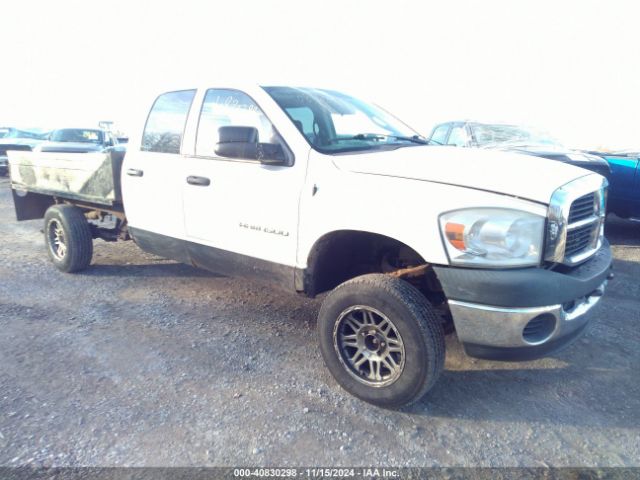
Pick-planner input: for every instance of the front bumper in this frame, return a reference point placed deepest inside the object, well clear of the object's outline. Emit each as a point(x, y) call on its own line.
point(523, 314)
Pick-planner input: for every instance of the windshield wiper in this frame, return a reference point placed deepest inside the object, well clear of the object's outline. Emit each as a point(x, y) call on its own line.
point(380, 136)
point(414, 139)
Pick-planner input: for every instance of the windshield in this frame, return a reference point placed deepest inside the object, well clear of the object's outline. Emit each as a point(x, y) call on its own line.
point(490, 135)
point(79, 135)
point(333, 122)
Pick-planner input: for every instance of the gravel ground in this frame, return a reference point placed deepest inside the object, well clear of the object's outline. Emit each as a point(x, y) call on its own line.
point(142, 361)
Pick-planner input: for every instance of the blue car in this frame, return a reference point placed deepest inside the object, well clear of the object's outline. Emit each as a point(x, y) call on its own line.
point(624, 183)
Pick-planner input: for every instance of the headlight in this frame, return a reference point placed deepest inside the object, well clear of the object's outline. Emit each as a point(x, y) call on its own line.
point(492, 237)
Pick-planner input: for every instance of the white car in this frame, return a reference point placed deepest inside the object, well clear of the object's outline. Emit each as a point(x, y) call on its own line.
point(317, 191)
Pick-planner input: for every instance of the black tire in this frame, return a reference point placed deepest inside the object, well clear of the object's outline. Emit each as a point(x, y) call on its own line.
point(414, 322)
point(67, 224)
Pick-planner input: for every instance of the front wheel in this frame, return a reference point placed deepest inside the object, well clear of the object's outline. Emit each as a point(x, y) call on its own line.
point(68, 237)
point(381, 340)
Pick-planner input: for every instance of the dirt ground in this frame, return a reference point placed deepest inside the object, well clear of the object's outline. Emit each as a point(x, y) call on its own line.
point(142, 361)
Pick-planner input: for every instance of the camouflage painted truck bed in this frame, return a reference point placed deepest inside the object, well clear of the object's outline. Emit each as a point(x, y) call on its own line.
point(89, 177)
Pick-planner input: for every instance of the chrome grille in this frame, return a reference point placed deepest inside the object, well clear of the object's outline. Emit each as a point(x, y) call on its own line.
point(582, 208)
point(578, 239)
point(583, 225)
point(575, 220)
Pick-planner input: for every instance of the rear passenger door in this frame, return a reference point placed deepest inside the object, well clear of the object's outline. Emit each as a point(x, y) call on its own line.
point(152, 179)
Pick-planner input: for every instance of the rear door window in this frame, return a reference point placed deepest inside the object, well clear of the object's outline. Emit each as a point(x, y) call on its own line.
point(165, 124)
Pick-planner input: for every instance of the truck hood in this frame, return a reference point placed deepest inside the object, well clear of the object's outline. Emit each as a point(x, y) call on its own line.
point(555, 152)
point(585, 160)
point(506, 173)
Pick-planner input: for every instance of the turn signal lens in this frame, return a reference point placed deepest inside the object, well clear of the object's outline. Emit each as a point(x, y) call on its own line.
point(455, 234)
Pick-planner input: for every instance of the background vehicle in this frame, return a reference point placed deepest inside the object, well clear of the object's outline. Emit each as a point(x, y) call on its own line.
point(316, 191)
point(624, 189)
point(17, 139)
point(33, 133)
point(78, 140)
point(514, 138)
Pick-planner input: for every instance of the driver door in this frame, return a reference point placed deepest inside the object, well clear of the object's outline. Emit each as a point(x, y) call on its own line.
point(239, 207)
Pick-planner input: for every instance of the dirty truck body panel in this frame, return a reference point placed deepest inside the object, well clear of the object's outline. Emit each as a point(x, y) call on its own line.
point(91, 177)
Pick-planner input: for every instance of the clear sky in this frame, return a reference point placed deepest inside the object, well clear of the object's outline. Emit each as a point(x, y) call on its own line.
point(569, 67)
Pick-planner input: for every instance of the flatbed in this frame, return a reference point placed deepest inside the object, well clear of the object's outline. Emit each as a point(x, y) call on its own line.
point(92, 178)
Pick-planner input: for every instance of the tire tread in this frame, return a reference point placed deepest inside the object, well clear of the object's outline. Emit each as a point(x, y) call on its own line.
point(428, 322)
point(80, 238)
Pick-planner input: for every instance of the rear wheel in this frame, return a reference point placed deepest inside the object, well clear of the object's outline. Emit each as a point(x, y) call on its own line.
point(68, 238)
point(381, 339)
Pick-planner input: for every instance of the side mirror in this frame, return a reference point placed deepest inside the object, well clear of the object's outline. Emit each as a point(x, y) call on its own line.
point(237, 142)
point(242, 142)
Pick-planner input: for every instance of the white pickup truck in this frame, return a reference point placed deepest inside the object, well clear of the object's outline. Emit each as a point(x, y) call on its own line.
point(318, 192)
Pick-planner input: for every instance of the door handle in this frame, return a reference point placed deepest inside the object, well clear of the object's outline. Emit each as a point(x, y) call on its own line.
point(200, 181)
point(132, 172)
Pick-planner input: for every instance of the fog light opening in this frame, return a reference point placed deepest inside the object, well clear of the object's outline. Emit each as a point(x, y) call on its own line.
point(539, 329)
